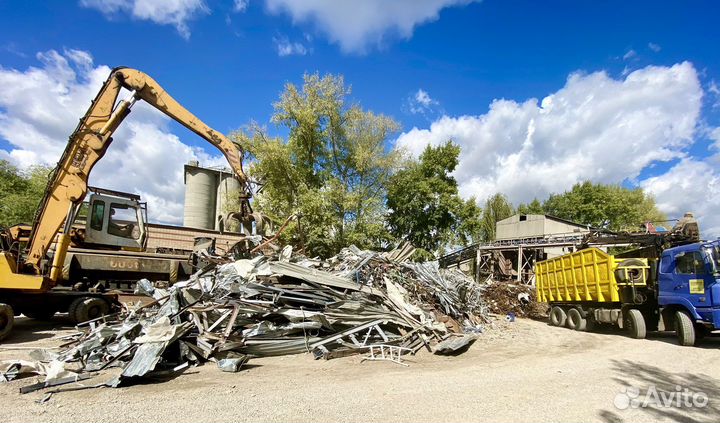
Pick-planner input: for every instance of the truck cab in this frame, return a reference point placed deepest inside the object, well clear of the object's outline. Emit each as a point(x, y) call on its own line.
point(688, 284)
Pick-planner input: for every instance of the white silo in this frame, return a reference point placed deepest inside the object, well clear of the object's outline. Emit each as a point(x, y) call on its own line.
point(200, 196)
point(228, 195)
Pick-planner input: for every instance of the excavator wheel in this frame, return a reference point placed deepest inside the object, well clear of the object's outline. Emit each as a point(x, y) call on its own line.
point(87, 308)
point(7, 320)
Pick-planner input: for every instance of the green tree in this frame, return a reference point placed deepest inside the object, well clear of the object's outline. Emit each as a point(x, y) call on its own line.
point(426, 208)
point(332, 169)
point(20, 192)
point(496, 209)
point(534, 207)
point(595, 204)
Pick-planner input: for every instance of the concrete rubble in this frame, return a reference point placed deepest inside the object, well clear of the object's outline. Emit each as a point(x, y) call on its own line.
point(358, 302)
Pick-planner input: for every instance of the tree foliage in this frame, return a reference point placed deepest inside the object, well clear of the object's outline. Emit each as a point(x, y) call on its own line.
point(597, 204)
point(534, 207)
point(426, 208)
point(20, 192)
point(332, 169)
point(497, 208)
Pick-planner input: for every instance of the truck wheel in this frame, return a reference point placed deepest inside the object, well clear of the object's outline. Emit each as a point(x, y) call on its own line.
point(684, 329)
point(557, 316)
point(575, 320)
point(635, 323)
point(7, 320)
point(87, 308)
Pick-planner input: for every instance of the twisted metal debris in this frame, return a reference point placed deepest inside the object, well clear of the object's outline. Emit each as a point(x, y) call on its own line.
point(231, 312)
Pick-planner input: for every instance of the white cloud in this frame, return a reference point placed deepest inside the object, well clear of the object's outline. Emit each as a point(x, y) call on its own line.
point(165, 12)
point(240, 6)
point(594, 128)
point(629, 55)
point(654, 47)
point(691, 185)
point(357, 25)
point(287, 48)
point(421, 103)
point(423, 98)
point(40, 107)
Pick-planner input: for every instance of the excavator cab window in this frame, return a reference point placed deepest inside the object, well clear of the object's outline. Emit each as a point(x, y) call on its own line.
point(97, 216)
point(123, 221)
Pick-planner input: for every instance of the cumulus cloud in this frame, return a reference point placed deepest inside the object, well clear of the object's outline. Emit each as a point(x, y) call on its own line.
point(654, 47)
point(40, 107)
point(594, 128)
point(629, 55)
point(691, 185)
point(287, 48)
point(165, 12)
point(357, 25)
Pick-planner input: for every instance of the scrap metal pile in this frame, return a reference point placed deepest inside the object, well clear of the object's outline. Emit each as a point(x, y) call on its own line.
point(356, 302)
point(503, 297)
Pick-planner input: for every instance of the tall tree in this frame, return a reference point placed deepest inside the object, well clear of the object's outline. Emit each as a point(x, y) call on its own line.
point(496, 209)
point(534, 207)
point(332, 169)
point(426, 208)
point(597, 204)
point(20, 192)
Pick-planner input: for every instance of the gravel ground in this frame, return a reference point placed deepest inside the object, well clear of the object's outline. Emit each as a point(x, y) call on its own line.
point(524, 371)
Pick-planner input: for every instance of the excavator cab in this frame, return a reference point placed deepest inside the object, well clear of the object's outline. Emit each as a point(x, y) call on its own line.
point(116, 220)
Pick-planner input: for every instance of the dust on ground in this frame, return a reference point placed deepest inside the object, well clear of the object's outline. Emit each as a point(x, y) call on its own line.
point(516, 371)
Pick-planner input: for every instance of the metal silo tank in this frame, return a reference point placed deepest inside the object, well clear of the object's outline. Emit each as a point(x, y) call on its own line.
point(200, 197)
point(228, 191)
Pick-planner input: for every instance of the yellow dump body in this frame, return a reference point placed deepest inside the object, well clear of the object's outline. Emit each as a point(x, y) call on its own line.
point(583, 276)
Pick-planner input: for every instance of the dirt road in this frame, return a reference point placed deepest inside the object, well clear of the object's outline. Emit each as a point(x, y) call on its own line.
point(522, 371)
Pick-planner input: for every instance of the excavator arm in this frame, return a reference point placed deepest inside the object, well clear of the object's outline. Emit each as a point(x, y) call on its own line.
point(89, 142)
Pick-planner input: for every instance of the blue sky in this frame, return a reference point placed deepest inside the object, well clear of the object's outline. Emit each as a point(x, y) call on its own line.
point(437, 66)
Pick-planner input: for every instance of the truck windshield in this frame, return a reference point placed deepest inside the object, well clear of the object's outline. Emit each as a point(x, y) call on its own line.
point(714, 254)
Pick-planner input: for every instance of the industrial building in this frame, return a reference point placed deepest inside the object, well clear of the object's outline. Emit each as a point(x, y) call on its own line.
point(520, 241)
point(210, 193)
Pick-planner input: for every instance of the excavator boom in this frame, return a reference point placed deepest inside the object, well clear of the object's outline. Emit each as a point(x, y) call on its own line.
point(89, 142)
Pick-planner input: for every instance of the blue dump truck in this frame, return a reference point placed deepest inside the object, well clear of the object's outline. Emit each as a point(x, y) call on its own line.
point(662, 286)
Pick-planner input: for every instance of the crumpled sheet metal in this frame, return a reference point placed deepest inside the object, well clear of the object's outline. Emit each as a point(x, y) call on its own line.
point(11, 369)
point(455, 344)
point(233, 311)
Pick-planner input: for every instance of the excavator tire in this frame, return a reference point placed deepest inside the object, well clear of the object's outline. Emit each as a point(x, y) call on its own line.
point(7, 320)
point(87, 308)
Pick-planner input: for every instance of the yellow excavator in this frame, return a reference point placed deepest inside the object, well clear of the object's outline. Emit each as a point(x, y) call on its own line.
point(29, 276)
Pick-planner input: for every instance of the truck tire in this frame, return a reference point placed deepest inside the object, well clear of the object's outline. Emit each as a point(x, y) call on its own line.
point(575, 320)
point(684, 328)
point(636, 276)
point(7, 320)
point(635, 323)
point(557, 316)
point(87, 308)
